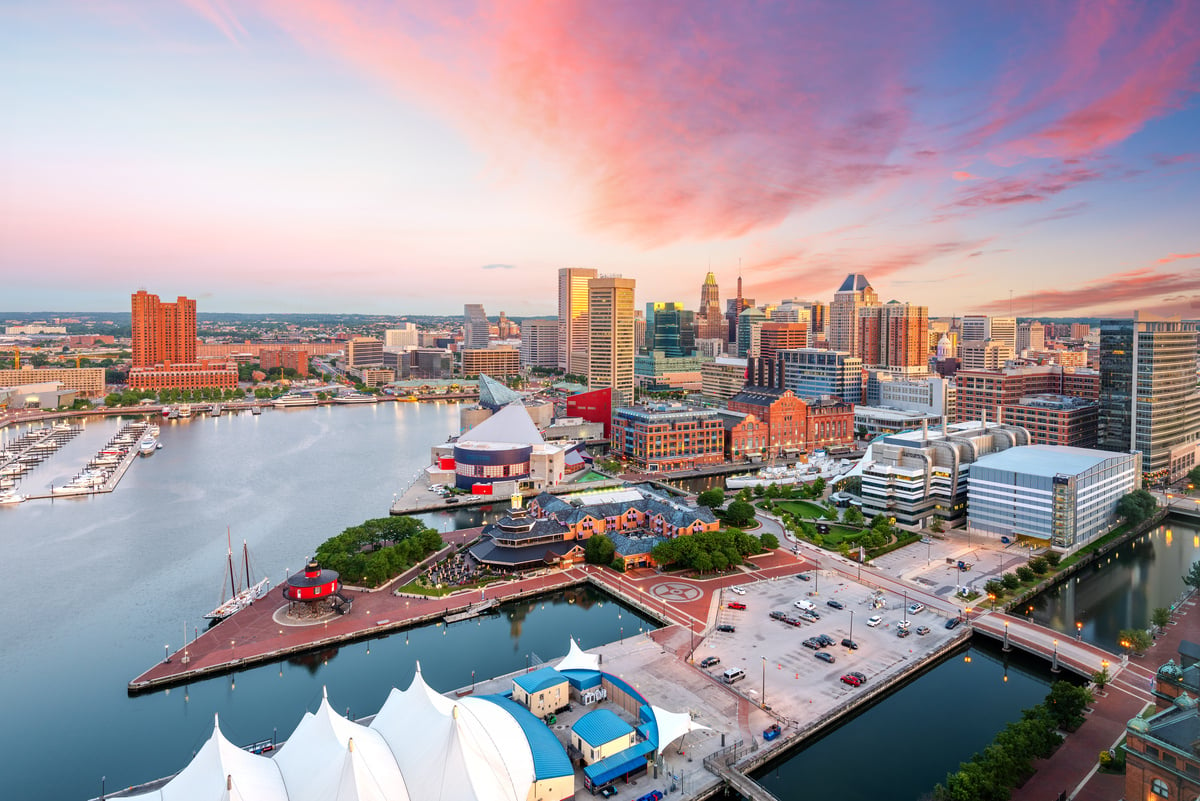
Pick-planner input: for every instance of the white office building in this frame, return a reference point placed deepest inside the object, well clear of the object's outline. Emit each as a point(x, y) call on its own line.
point(1059, 495)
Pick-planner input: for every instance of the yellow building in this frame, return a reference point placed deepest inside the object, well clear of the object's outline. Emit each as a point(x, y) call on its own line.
point(502, 361)
point(543, 692)
point(601, 734)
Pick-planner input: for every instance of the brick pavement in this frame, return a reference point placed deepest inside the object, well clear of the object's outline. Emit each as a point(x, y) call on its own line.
point(1071, 768)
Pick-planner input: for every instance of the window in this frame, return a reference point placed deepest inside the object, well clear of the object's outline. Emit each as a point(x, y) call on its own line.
point(1159, 788)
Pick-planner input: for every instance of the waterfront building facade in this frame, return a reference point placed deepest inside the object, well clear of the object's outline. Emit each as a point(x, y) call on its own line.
point(539, 343)
point(785, 416)
point(594, 406)
point(364, 352)
point(573, 318)
point(1063, 496)
point(501, 361)
point(1161, 761)
point(611, 336)
point(746, 437)
point(1149, 401)
point(163, 333)
point(813, 373)
point(196, 375)
point(916, 475)
point(660, 437)
point(87, 381)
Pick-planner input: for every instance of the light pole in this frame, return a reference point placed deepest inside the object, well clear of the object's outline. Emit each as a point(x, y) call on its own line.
point(167, 652)
point(1054, 664)
point(1079, 630)
point(1006, 647)
point(851, 637)
point(992, 598)
point(764, 689)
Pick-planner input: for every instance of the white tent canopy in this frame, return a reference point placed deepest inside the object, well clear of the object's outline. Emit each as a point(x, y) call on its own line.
point(470, 749)
point(672, 726)
point(313, 760)
point(578, 659)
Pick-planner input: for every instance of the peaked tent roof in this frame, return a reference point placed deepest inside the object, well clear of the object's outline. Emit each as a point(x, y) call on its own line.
point(672, 726)
point(493, 394)
point(577, 659)
point(855, 282)
point(220, 770)
point(512, 424)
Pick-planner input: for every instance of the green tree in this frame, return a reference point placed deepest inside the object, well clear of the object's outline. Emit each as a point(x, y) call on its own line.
point(1160, 617)
point(1193, 476)
point(1137, 506)
point(759, 490)
point(1192, 579)
point(1053, 557)
point(739, 514)
point(994, 587)
point(769, 541)
point(1039, 565)
point(1025, 573)
point(599, 550)
point(852, 516)
point(711, 498)
point(1066, 703)
point(1136, 640)
point(1010, 581)
point(1100, 678)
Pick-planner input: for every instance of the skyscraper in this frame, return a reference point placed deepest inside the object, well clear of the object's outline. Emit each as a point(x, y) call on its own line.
point(894, 336)
point(854, 293)
point(573, 318)
point(476, 328)
point(710, 320)
point(163, 333)
point(671, 329)
point(978, 327)
point(610, 336)
point(539, 343)
point(1148, 396)
point(710, 294)
point(1031, 336)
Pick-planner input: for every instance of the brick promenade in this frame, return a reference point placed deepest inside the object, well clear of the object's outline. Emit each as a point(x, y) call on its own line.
point(1072, 769)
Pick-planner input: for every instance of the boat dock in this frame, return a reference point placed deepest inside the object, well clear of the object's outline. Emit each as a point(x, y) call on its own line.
point(474, 610)
point(34, 447)
point(124, 445)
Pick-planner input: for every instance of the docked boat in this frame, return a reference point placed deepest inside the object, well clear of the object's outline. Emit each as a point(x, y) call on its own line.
point(239, 598)
point(772, 475)
point(255, 410)
point(185, 410)
point(8, 496)
point(215, 411)
point(294, 399)
point(356, 397)
point(147, 446)
point(72, 488)
point(166, 411)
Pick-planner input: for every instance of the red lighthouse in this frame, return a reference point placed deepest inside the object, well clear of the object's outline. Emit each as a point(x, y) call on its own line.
point(315, 584)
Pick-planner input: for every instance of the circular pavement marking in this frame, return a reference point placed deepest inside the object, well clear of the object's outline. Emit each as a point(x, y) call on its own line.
point(675, 592)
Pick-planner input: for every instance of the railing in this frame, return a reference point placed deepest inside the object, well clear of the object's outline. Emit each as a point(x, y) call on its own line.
point(724, 757)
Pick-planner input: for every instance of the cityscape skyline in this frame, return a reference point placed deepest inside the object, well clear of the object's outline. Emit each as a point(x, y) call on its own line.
point(282, 157)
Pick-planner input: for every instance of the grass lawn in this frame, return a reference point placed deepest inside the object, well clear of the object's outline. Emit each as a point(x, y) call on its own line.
point(801, 508)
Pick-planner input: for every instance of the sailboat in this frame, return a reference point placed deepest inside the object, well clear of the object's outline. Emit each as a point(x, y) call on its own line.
point(240, 598)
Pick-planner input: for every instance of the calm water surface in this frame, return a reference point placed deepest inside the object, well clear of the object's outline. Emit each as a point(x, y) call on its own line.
point(99, 585)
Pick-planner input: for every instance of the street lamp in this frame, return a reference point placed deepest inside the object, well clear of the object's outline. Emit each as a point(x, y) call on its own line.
point(851, 637)
point(764, 689)
point(1006, 649)
point(1079, 629)
point(1054, 664)
point(992, 598)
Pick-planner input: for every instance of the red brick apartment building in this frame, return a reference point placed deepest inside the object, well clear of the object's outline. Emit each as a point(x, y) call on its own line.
point(986, 392)
point(1056, 420)
point(668, 436)
point(295, 359)
point(195, 375)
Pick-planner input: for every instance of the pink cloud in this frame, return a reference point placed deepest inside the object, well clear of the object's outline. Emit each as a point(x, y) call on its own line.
point(960, 175)
point(1144, 287)
point(221, 16)
point(1177, 257)
point(1032, 189)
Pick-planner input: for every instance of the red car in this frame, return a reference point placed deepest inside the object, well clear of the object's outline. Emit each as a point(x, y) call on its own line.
point(736, 605)
point(853, 681)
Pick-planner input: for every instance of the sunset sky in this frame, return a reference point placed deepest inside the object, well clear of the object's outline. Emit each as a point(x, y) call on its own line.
point(335, 156)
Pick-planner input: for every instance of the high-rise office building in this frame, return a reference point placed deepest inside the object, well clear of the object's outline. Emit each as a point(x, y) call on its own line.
point(1148, 397)
point(364, 351)
point(539, 343)
point(1031, 336)
point(573, 318)
point(813, 373)
point(978, 327)
point(406, 336)
point(854, 293)
point(710, 294)
point(611, 336)
point(733, 308)
point(476, 328)
point(894, 336)
point(748, 328)
point(710, 320)
point(671, 329)
point(984, 354)
point(163, 333)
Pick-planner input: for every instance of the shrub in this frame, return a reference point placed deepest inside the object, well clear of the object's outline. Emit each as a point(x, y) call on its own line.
point(1025, 573)
point(1039, 565)
point(1053, 557)
point(1010, 581)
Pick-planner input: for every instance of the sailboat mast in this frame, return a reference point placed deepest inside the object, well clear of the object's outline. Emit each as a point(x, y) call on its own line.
point(232, 585)
point(246, 557)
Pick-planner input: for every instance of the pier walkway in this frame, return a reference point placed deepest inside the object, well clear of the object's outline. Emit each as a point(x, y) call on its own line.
point(1078, 657)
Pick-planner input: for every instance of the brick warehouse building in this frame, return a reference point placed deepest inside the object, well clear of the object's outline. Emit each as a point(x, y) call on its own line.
point(793, 425)
point(197, 375)
point(1056, 420)
point(1161, 760)
point(668, 436)
point(982, 394)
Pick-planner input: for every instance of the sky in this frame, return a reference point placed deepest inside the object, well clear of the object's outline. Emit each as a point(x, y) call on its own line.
point(1037, 157)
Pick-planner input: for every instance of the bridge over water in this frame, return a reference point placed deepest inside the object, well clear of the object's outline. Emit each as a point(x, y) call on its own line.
point(1064, 652)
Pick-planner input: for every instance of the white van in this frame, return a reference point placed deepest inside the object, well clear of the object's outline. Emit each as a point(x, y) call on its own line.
point(733, 674)
point(807, 605)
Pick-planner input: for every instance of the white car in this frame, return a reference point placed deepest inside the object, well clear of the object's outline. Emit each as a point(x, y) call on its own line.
point(916, 608)
point(738, 590)
point(874, 621)
point(903, 624)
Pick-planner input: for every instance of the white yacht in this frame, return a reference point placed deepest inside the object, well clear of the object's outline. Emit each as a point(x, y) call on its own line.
point(294, 399)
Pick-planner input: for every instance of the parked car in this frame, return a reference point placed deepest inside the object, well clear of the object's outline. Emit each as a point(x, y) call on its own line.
point(804, 577)
point(825, 656)
point(736, 605)
point(849, 643)
point(777, 615)
point(851, 680)
point(953, 622)
point(862, 677)
point(653, 795)
point(709, 661)
point(915, 609)
point(824, 639)
point(726, 627)
point(902, 633)
point(772, 731)
point(835, 604)
point(874, 620)
point(903, 624)
point(922, 630)
point(811, 643)
point(738, 590)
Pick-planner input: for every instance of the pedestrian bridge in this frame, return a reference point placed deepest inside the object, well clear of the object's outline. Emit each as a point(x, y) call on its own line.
point(1060, 650)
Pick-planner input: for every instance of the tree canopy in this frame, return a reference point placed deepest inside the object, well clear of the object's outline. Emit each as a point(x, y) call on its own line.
point(599, 549)
point(1137, 506)
point(379, 549)
point(708, 550)
point(711, 498)
point(739, 513)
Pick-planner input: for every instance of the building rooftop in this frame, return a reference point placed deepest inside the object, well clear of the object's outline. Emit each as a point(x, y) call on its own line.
point(539, 680)
point(1060, 402)
point(855, 282)
point(600, 727)
point(1046, 460)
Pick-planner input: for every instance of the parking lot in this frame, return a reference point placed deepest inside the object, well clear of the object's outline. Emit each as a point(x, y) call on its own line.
point(797, 685)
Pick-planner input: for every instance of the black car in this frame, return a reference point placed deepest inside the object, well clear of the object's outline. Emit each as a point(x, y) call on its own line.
point(824, 639)
point(825, 656)
point(862, 677)
point(953, 622)
point(726, 627)
point(835, 604)
point(849, 643)
point(777, 615)
point(811, 643)
point(804, 577)
point(709, 661)
point(902, 633)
